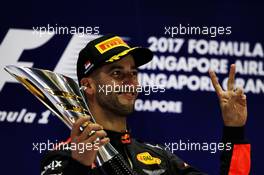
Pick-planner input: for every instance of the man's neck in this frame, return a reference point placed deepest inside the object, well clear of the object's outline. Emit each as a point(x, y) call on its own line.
point(109, 120)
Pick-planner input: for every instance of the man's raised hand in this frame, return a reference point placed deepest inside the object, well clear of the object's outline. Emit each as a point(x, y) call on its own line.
point(232, 102)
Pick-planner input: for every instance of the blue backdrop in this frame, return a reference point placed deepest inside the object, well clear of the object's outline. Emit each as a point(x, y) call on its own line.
point(187, 113)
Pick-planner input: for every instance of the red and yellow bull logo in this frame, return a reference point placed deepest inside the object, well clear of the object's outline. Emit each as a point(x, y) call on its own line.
point(125, 139)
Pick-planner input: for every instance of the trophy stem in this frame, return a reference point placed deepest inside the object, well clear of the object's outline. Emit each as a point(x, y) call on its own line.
point(116, 166)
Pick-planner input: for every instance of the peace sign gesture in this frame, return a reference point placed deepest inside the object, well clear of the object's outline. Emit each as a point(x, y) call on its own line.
point(232, 102)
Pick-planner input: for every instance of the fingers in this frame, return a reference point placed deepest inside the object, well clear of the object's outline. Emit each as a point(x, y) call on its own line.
point(104, 141)
point(231, 78)
point(99, 143)
point(239, 96)
point(98, 134)
point(215, 82)
point(76, 126)
point(91, 129)
point(243, 100)
point(91, 132)
point(239, 92)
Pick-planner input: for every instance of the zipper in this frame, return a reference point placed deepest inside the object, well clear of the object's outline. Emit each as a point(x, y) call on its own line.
point(128, 158)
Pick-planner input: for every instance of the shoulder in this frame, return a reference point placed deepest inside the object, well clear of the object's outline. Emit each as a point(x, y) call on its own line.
point(149, 145)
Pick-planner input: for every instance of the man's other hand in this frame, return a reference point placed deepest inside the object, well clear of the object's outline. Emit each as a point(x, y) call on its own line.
point(233, 102)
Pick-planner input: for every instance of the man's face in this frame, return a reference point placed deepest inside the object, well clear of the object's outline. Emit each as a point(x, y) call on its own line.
point(120, 76)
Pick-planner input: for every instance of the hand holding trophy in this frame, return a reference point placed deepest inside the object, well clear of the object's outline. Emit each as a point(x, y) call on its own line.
point(65, 99)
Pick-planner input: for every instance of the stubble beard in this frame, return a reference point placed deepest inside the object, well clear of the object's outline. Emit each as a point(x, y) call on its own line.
point(111, 103)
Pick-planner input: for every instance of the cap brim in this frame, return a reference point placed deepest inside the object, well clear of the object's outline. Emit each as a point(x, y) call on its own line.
point(141, 55)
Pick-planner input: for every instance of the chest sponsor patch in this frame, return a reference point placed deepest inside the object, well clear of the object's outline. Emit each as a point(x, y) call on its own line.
point(147, 159)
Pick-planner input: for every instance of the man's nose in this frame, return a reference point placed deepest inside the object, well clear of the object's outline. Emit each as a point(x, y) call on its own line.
point(129, 79)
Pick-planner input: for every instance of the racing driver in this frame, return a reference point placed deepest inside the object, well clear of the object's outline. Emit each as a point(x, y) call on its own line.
point(108, 60)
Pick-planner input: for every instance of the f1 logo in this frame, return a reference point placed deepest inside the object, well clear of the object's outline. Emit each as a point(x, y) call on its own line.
point(13, 45)
point(18, 40)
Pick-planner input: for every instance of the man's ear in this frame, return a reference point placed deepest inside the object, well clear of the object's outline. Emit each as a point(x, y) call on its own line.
point(89, 84)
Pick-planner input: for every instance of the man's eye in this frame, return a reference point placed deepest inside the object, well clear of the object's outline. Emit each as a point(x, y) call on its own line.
point(116, 73)
point(134, 73)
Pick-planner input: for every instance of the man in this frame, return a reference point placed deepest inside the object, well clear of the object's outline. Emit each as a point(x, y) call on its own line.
point(107, 62)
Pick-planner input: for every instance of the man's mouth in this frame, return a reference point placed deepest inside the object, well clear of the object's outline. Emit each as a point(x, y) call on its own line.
point(128, 95)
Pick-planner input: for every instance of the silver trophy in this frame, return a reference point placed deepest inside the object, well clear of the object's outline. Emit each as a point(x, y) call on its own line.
point(66, 100)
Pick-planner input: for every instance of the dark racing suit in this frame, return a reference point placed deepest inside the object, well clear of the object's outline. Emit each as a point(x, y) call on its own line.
point(147, 159)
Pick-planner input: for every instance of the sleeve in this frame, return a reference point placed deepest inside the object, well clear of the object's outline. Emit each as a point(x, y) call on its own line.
point(60, 162)
point(235, 161)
